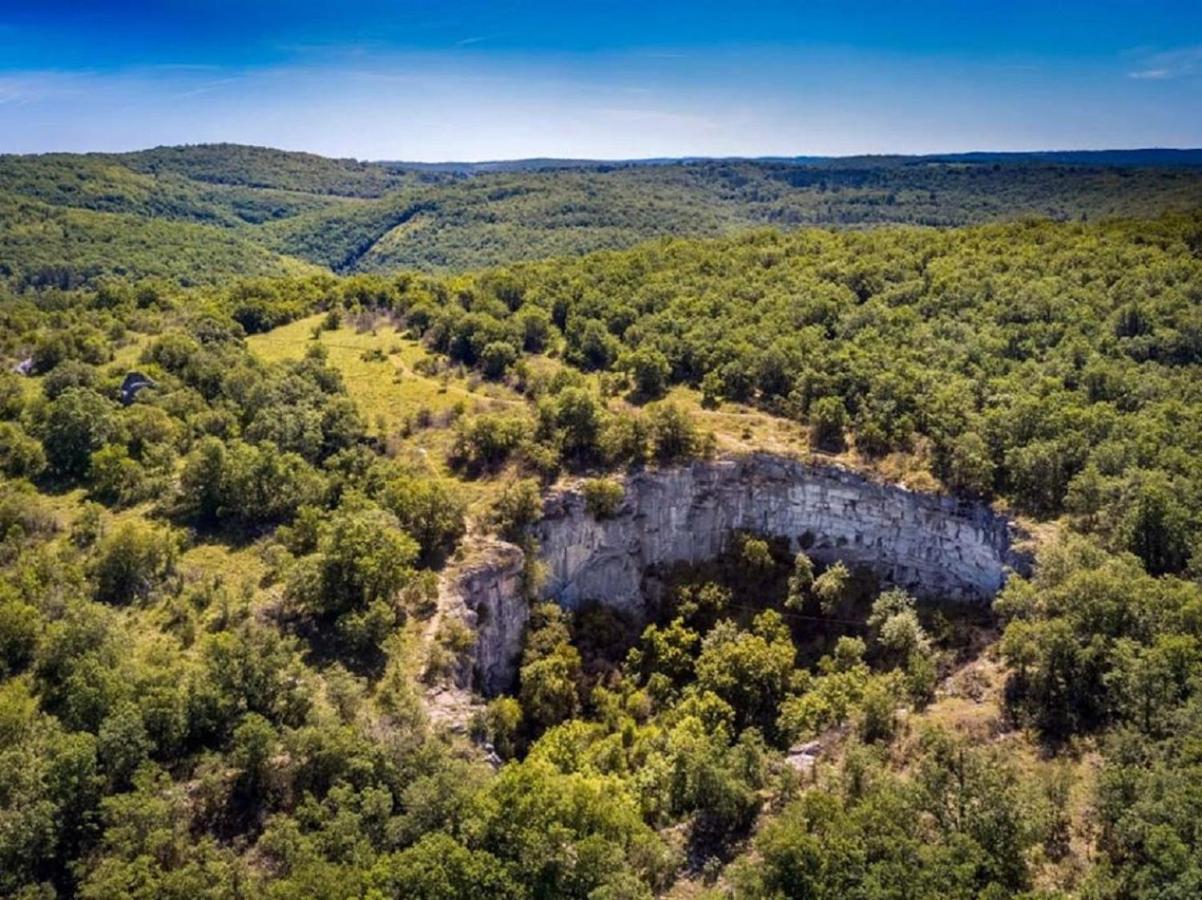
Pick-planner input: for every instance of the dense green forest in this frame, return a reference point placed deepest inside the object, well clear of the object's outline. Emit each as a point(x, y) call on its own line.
point(259, 205)
point(43, 245)
point(222, 647)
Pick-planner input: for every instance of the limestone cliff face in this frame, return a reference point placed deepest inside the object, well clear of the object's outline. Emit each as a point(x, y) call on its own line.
point(487, 594)
point(934, 546)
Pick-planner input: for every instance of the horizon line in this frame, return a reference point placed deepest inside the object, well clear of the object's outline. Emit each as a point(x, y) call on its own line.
point(700, 157)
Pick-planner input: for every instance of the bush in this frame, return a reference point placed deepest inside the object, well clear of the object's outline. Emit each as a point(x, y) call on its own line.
point(1155, 527)
point(20, 625)
point(429, 509)
point(362, 557)
point(486, 442)
point(674, 435)
point(828, 420)
point(24, 511)
point(245, 483)
point(20, 455)
point(534, 324)
point(548, 686)
point(78, 423)
point(649, 369)
point(496, 358)
point(577, 415)
point(12, 395)
point(602, 497)
point(591, 346)
point(115, 478)
point(69, 374)
point(131, 560)
point(520, 504)
point(831, 586)
point(970, 467)
point(878, 712)
point(501, 725)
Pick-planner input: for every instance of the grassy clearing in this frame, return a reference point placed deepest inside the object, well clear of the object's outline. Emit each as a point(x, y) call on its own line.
point(385, 385)
point(740, 428)
point(380, 367)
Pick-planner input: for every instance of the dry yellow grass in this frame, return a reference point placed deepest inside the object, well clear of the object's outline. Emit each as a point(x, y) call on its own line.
point(390, 386)
point(380, 370)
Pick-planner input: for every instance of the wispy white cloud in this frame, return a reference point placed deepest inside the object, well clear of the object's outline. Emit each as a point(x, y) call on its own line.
point(1165, 65)
point(34, 87)
point(1151, 74)
point(477, 39)
point(209, 87)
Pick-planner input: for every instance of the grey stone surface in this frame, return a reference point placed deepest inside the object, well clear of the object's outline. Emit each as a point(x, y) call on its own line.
point(487, 593)
point(934, 546)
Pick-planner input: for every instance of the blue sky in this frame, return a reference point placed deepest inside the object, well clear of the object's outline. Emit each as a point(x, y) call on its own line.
point(492, 80)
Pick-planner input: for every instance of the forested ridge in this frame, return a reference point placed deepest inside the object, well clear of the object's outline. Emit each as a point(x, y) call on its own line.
point(227, 502)
point(264, 208)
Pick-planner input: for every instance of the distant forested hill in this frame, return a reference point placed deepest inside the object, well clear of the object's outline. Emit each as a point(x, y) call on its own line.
point(264, 207)
point(53, 246)
point(263, 167)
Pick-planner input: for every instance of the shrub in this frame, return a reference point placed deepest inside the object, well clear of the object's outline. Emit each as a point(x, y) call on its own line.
point(500, 724)
point(674, 435)
point(828, 419)
point(20, 455)
point(649, 369)
point(487, 441)
point(878, 712)
point(246, 483)
point(534, 324)
point(20, 624)
point(115, 478)
point(78, 423)
point(496, 358)
point(831, 586)
point(970, 467)
point(430, 509)
point(131, 560)
point(361, 557)
point(519, 505)
point(602, 496)
point(70, 374)
point(23, 510)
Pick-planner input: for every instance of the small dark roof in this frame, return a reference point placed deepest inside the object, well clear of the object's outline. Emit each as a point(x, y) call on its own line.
point(134, 382)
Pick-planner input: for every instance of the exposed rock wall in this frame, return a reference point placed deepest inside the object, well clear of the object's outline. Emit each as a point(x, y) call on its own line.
point(487, 593)
point(934, 546)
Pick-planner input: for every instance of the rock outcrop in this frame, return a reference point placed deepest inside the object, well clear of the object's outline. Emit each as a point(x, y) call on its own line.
point(934, 546)
point(487, 593)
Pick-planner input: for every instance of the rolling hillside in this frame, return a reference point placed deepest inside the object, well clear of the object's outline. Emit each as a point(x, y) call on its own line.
point(54, 246)
point(249, 210)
